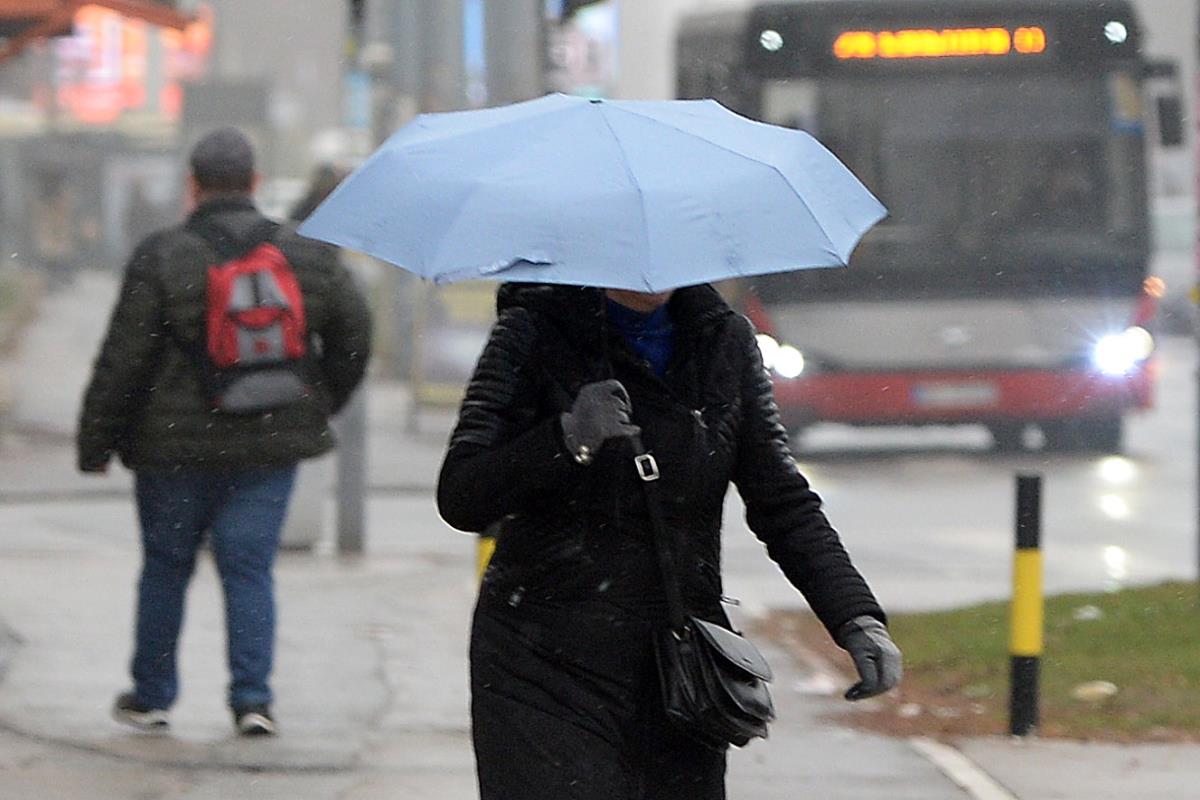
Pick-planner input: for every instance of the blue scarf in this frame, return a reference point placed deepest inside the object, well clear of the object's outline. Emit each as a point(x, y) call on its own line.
point(649, 335)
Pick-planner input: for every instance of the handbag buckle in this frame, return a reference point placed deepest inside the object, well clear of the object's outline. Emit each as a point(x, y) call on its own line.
point(647, 467)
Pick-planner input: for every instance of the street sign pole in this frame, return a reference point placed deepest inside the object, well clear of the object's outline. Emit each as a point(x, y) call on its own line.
point(352, 444)
point(1195, 296)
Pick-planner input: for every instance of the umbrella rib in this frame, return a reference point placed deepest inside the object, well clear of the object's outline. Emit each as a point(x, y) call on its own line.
point(831, 247)
point(640, 193)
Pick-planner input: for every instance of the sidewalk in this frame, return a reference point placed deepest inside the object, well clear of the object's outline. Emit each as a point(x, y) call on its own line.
point(371, 665)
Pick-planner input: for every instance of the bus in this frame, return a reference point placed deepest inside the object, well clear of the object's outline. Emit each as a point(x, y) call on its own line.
point(1008, 286)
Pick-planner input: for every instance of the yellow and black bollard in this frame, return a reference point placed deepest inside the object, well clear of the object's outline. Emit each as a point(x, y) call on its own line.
point(483, 554)
point(1025, 641)
point(484, 550)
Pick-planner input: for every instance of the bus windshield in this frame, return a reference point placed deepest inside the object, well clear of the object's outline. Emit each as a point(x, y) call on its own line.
point(1009, 183)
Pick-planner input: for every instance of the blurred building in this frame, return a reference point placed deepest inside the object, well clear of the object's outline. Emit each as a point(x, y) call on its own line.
point(277, 68)
point(1171, 27)
point(97, 110)
point(90, 105)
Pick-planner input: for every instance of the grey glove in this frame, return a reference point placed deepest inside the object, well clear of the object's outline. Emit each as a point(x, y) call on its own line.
point(600, 412)
point(875, 655)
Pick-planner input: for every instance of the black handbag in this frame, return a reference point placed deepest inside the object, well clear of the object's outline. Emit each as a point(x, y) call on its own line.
point(714, 681)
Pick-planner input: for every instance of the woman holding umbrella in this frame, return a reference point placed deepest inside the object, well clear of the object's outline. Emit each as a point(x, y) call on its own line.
point(565, 699)
point(653, 201)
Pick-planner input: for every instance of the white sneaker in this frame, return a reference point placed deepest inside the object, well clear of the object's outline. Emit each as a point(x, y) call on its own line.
point(254, 721)
point(129, 711)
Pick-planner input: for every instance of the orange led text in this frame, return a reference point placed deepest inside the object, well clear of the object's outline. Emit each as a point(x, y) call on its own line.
point(946, 43)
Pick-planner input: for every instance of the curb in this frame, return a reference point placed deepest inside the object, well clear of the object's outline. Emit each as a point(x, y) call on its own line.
point(964, 773)
point(956, 766)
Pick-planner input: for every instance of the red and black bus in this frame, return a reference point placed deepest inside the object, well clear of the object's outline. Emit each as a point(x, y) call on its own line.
point(1009, 284)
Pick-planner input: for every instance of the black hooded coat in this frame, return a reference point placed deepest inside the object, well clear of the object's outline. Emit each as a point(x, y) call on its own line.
point(564, 693)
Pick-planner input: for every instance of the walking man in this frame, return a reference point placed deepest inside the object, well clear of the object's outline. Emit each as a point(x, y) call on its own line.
point(232, 342)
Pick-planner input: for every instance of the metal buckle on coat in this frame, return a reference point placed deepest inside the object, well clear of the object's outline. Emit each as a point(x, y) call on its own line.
point(647, 467)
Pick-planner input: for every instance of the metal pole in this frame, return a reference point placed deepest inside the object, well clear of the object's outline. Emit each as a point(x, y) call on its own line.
point(515, 54)
point(1196, 298)
point(352, 449)
point(352, 476)
point(408, 45)
point(443, 68)
point(515, 48)
point(1025, 642)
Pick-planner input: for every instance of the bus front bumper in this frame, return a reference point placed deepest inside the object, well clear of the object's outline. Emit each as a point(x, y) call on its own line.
point(929, 398)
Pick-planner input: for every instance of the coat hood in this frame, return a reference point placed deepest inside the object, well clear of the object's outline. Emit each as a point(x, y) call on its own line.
point(235, 214)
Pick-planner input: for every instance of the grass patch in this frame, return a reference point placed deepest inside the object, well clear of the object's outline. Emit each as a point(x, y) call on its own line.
point(1145, 641)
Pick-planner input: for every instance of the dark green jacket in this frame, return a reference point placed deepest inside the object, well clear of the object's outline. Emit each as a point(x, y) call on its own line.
point(147, 401)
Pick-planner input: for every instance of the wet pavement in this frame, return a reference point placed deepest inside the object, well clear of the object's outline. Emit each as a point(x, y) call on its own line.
point(371, 665)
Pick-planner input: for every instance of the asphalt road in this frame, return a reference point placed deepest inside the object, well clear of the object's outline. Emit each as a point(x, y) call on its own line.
point(928, 513)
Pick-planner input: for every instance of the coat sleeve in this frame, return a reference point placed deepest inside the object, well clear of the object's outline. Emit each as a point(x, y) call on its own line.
point(784, 512)
point(502, 458)
point(123, 371)
point(346, 337)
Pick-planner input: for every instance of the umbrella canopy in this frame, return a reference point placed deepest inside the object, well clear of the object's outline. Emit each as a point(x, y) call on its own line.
point(638, 195)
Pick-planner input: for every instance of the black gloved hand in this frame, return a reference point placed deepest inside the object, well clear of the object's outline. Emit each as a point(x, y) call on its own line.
point(600, 412)
point(875, 655)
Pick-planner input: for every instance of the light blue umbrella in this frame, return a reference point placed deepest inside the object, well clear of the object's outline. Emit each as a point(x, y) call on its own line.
point(638, 195)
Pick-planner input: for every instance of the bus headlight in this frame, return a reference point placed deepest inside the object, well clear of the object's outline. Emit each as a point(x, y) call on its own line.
point(790, 362)
point(769, 348)
point(1118, 353)
point(785, 360)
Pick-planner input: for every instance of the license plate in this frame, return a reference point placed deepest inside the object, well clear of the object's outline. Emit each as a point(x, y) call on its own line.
point(958, 394)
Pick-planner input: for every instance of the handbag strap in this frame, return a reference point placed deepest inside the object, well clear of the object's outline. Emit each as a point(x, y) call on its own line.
point(665, 544)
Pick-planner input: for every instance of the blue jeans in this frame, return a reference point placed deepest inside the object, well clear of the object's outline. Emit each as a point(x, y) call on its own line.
point(243, 512)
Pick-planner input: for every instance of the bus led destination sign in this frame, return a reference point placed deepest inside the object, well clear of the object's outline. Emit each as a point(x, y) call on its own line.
point(945, 43)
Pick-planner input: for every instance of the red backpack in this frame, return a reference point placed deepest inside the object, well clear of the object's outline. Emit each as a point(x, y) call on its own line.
point(256, 339)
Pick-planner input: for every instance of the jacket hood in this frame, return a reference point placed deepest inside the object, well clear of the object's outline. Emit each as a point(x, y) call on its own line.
point(236, 214)
point(580, 311)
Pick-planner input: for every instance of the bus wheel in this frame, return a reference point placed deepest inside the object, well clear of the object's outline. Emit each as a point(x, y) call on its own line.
point(1007, 437)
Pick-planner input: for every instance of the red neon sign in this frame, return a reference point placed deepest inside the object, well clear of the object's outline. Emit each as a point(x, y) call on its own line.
point(103, 69)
